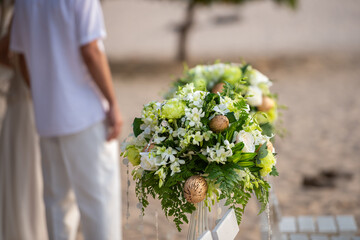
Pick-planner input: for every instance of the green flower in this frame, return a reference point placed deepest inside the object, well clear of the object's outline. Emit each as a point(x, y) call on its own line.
point(173, 109)
point(133, 155)
point(267, 163)
point(200, 84)
point(272, 114)
point(232, 75)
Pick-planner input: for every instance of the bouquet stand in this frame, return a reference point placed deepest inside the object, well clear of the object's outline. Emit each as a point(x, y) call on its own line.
point(198, 222)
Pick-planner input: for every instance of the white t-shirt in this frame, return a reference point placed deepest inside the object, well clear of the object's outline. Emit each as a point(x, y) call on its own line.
point(49, 33)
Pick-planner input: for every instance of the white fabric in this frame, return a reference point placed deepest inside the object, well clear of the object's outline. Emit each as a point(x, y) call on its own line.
point(22, 213)
point(50, 33)
point(82, 170)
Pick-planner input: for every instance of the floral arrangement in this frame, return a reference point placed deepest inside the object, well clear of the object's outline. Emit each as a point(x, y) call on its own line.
point(244, 79)
point(199, 133)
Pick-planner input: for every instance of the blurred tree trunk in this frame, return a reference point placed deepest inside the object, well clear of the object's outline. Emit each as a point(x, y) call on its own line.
point(184, 31)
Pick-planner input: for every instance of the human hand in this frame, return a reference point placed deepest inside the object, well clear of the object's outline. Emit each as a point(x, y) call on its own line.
point(114, 121)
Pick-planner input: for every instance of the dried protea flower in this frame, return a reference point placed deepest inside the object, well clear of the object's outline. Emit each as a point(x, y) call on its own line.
point(195, 189)
point(267, 104)
point(218, 88)
point(219, 123)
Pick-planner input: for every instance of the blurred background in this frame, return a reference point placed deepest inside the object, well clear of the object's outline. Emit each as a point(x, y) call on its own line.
point(311, 53)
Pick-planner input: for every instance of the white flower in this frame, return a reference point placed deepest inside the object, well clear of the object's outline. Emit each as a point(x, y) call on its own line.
point(257, 77)
point(228, 145)
point(175, 166)
point(254, 96)
point(157, 139)
point(217, 154)
point(194, 115)
point(167, 154)
point(149, 161)
point(207, 135)
point(181, 132)
point(162, 175)
point(221, 109)
point(195, 98)
point(187, 89)
point(247, 139)
point(259, 138)
point(197, 138)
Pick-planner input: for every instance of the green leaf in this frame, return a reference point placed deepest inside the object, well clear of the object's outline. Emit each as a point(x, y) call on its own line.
point(231, 117)
point(274, 172)
point(238, 147)
point(203, 157)
point(244, 68)
point(246, 164)
point(267, 129)
point(136, 126)
point(247, 156)
point(263, 152)
point(239, 157)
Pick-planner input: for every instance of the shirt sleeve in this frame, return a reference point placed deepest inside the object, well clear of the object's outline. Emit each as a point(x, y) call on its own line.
point(16, 35)
point(89, 21)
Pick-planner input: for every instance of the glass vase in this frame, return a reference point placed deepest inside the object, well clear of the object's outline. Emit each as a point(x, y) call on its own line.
point(198, 222)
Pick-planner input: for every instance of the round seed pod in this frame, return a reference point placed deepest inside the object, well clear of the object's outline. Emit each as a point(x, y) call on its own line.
point(267, 104)
point(195, 189)
point(218, 88)
point(219, 123)
point(148, 149)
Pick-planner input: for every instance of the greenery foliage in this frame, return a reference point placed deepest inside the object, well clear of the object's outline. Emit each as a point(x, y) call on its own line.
point(167, 148)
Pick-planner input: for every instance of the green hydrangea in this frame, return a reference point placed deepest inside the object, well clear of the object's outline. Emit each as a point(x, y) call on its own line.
point(173, 109)
point(133, 155)
point(267, 163)
point(200, 84)
point(232, 75)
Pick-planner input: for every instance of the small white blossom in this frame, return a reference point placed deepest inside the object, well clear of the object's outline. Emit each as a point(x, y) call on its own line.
point(197, 138)
point(194, 115)
point(175, 166)
point(217, 154)
point(254, 96)
point(167, 154)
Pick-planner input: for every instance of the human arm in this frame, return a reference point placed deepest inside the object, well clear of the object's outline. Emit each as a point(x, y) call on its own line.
point(5, 58)
point(98, 67)
point(4, 50)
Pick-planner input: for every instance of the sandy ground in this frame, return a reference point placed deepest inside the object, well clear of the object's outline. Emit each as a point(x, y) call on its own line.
point(145, 29)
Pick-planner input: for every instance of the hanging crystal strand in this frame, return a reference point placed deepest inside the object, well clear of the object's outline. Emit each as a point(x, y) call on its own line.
point(141, 217)
point(198, 221)
point(126, 162)
point(268, 216)
point(275, 213)
point(157, 224)
point(269, 222)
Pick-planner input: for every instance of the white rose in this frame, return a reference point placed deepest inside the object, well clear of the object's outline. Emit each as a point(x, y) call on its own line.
point(255, 96)
point(149, 162)
point(257, 77)
point(247, 139)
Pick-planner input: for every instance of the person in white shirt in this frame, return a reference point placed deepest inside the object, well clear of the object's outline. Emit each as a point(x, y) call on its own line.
point(76, 114)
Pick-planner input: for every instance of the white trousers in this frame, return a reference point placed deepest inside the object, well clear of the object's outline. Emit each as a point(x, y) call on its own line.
point(81, 180)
